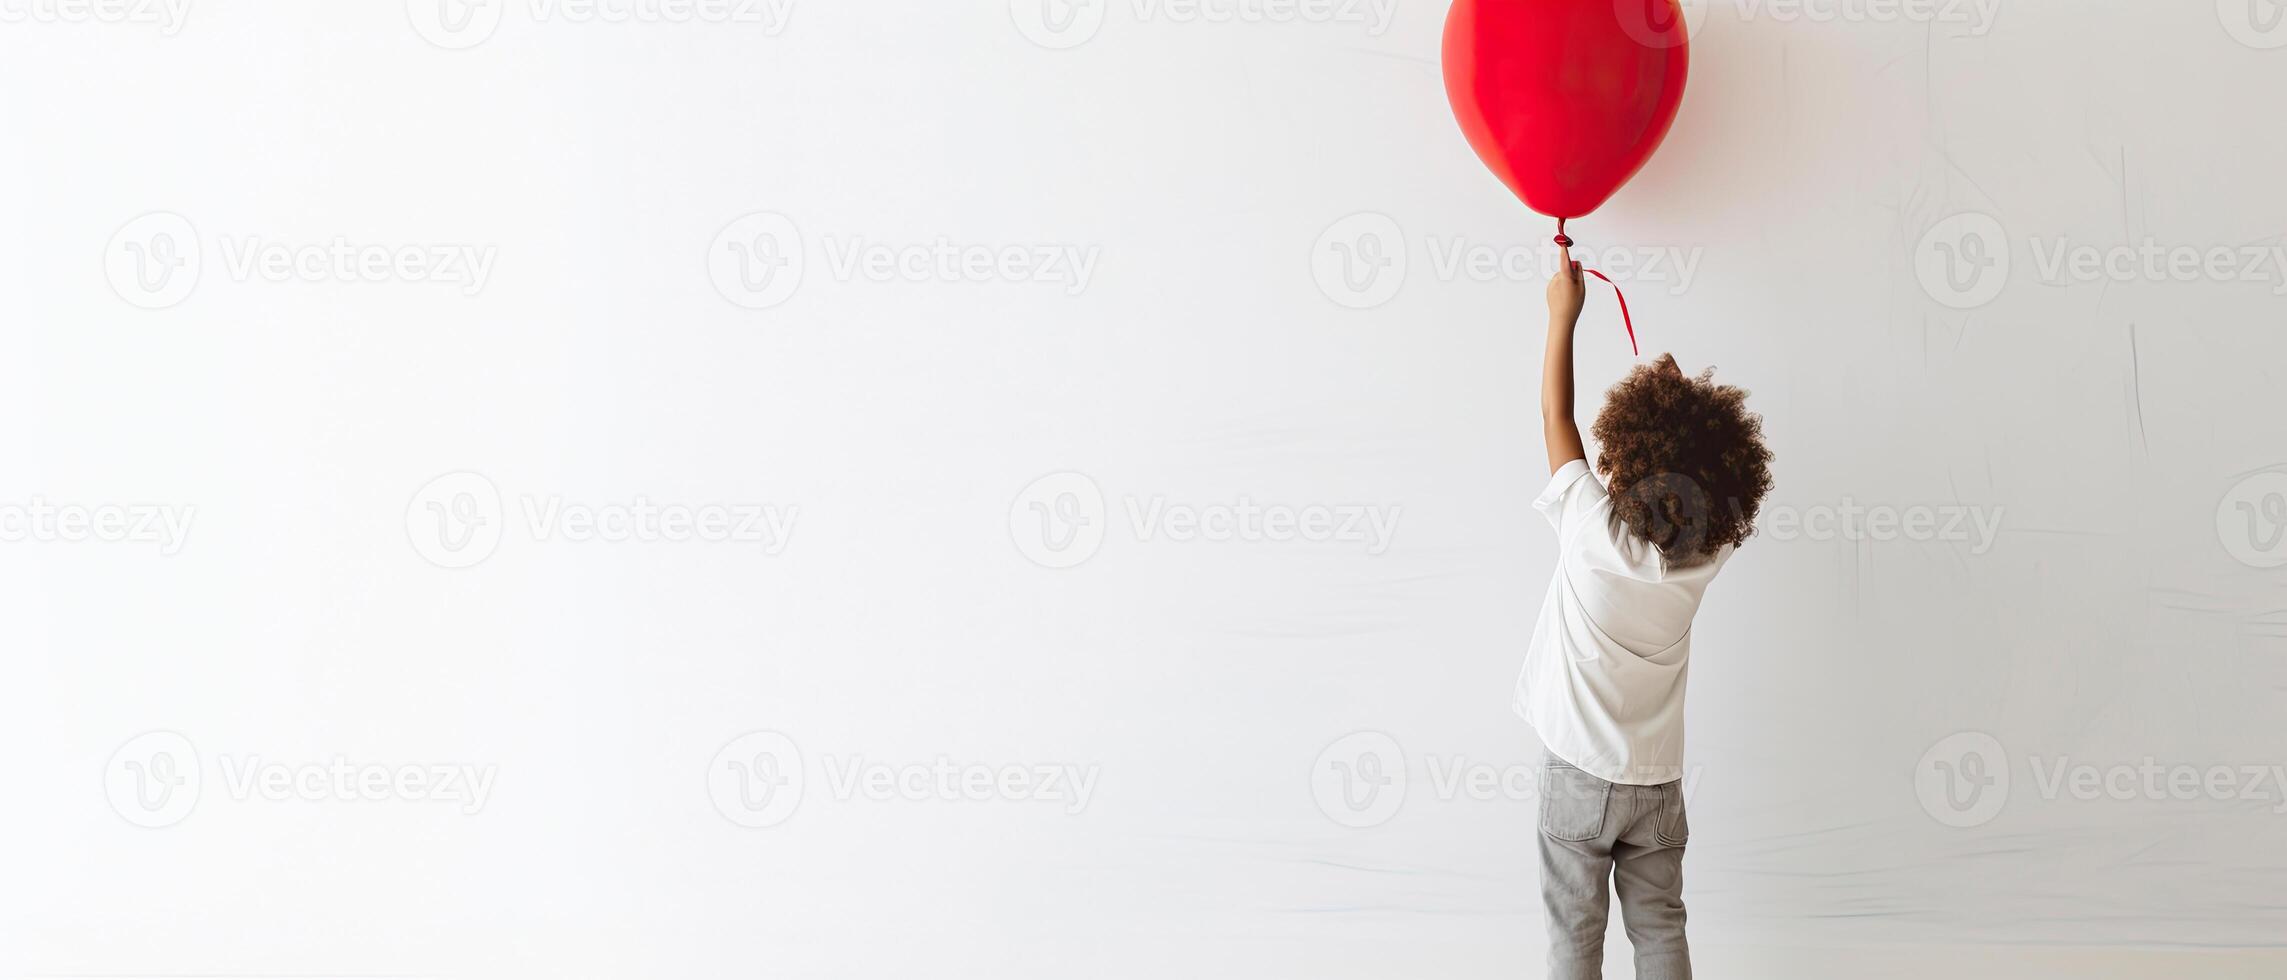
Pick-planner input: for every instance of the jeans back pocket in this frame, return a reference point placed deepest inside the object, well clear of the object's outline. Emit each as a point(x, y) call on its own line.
point(1674, 831)
point(1572, 803)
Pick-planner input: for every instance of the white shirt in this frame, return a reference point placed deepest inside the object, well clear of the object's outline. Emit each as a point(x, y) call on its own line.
point(1603, 683)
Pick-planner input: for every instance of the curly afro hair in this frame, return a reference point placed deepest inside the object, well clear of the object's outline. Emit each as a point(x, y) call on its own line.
point(1683, 459)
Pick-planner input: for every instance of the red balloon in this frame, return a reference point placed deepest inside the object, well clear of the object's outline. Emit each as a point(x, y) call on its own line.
point(1565, 99)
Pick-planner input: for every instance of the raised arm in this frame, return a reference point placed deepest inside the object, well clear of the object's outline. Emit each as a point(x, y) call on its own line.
point(1558, 430)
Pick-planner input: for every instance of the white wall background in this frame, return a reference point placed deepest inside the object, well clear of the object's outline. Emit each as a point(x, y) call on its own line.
point(2118, 431)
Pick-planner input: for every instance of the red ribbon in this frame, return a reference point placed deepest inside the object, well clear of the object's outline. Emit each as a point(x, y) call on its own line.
point(1624, 317)
point(1565, 241)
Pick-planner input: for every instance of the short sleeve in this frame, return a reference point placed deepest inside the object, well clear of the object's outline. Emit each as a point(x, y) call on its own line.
point(1572, 490)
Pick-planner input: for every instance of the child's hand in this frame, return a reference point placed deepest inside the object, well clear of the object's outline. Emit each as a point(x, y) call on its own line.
point(1565, 291)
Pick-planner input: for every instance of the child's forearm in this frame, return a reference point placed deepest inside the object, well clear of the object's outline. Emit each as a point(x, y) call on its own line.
point(1558, 430)
point(1556, 372)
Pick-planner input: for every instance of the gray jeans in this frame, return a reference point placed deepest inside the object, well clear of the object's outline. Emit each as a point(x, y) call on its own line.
point(1593, 831)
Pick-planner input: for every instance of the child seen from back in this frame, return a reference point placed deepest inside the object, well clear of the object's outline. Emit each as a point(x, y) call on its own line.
point(1679, 474)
